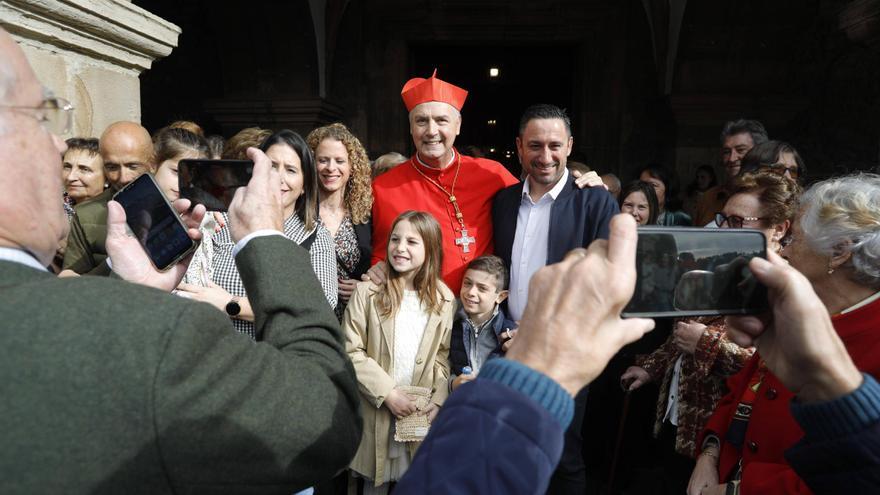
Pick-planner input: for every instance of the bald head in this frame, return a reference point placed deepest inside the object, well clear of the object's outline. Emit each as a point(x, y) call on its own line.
point(127, 151)
point(31, 213)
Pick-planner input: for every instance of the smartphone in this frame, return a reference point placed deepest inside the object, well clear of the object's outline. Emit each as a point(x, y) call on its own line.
point(212, 183)
point(695, 272)
point(154, 222)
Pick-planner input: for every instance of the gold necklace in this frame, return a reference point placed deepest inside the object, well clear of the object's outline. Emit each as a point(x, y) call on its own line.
point(464, 241)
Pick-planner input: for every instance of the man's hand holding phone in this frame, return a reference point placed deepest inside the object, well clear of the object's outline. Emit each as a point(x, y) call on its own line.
point(254, 208)
point(128, 257)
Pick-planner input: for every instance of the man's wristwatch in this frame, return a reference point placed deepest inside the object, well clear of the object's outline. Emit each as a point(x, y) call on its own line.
point(232, 307)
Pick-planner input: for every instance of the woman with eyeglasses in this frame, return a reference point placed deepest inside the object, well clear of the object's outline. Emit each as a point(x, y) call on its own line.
point(834, 243)
point(695, 360)
point(777, 157)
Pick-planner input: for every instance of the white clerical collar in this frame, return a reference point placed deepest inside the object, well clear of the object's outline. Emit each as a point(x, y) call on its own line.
point(862, 303)
point(20, 256)
point(429, 166)
point(554, 193)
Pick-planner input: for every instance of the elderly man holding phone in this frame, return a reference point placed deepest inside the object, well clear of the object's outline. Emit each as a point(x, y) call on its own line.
point(163, 395)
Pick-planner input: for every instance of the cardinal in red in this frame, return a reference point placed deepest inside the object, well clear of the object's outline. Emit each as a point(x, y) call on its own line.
point(457, 190)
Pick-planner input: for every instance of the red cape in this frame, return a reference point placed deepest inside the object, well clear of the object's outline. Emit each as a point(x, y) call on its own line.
point(403, 188)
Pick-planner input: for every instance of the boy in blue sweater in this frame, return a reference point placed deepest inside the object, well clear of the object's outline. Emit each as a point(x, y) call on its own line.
point(480, 326)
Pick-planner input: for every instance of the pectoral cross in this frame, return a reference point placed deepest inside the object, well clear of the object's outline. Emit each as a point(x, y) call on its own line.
point(465, 241)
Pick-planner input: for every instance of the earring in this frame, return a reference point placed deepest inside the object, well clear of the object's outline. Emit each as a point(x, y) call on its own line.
point(830, 270)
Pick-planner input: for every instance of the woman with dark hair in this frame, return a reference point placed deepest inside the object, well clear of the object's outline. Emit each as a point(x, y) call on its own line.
point(299, 197)
point(345, 195)
point(778, 157)
point(665, 182)
point(704, 179)
point(639, 200)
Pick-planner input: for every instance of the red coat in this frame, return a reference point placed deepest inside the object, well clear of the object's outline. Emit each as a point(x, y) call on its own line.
point(771, 428)
point(403, 188)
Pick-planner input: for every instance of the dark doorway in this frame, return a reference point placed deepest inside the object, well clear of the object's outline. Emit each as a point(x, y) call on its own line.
point(526, 75)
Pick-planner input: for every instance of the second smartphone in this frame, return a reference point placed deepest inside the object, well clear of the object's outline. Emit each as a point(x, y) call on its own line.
point(212, 183)
point(693, 272)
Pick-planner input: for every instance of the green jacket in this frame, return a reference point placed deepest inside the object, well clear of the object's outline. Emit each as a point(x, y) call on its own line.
point(111, 387)
point(85, 252)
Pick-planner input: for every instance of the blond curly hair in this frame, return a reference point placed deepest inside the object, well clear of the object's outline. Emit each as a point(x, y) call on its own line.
point(358, 198)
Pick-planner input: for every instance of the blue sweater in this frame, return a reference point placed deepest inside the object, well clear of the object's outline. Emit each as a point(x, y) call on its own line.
point(501, 433)
point(840, 451)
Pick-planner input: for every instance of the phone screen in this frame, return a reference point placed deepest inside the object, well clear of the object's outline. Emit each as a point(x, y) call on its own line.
point(154, 223)
point(212, 183)
point(693, 272)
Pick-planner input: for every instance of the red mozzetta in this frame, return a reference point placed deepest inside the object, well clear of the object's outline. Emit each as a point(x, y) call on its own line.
point(404, 188)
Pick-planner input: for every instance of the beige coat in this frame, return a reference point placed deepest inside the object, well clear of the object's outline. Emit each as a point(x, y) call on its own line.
point(370, 344)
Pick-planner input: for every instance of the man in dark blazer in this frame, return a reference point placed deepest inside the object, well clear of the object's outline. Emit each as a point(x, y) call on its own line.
point(151, 393)
point(536, 223)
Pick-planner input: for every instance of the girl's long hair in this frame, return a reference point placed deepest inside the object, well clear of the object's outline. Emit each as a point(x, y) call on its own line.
point(427, 280)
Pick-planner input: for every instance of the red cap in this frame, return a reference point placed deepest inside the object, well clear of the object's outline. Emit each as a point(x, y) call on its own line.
point(419, 90)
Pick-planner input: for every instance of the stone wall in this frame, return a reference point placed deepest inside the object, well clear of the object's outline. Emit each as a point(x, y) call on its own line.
point(90, 52)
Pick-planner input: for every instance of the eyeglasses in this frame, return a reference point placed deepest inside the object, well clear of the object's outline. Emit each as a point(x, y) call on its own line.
point(54, 114)
point(781, 169)
point(735, 222)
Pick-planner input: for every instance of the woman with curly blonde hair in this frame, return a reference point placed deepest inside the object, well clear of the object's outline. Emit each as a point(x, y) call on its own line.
point(345, 197)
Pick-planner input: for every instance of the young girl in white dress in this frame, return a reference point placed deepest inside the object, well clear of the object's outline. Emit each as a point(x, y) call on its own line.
point(398, 335)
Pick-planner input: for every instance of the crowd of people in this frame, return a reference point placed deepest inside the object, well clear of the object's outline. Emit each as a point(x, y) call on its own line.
point(429, 324)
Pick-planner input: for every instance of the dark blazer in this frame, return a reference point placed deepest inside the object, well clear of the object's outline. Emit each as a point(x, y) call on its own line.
point(364, 233)
point(577, 218)
point(139, 391)
point(488, 438)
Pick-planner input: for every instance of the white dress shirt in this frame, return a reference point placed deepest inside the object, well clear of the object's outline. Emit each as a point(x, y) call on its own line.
point(22, 257)
point(530, 243)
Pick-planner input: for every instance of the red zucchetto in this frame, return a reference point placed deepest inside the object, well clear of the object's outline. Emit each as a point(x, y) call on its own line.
point(419, 90)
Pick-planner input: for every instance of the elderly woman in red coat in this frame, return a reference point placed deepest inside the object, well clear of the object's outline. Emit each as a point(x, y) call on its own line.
point(835, 243)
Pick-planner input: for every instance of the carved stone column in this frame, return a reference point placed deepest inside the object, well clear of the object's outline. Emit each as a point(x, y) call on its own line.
point(90, 52)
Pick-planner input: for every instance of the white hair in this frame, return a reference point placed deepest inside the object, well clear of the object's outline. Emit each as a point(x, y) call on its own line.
point(455, 111)
point(844, 213)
